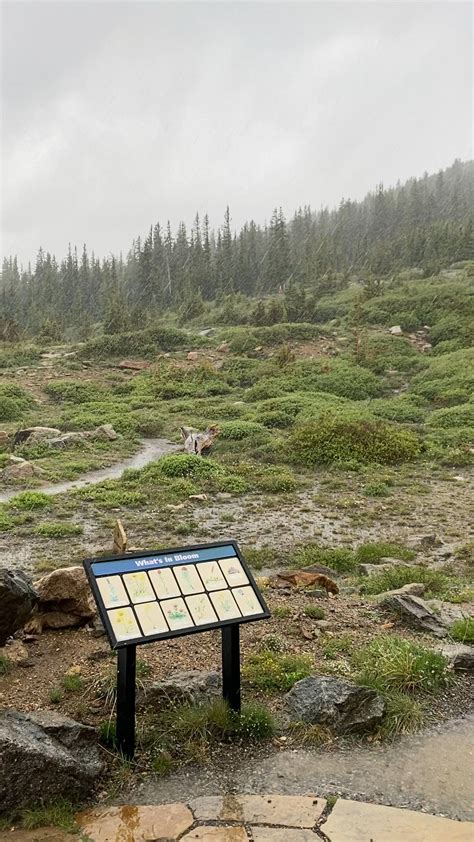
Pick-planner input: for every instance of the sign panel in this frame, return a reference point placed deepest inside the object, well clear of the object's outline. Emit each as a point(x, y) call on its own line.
point(153, 596)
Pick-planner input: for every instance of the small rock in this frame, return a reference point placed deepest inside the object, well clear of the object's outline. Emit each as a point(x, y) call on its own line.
point(18, 470)
point(17, 600)
point(460, 656)
point(189, 686)
point(134, 365)
point(374, 569)
point(15, 651)
point(105, 433)
point(193, 356)
point(223, 348)
point(412, 589)
point(396, 330)
point(415, 611)
point(4, 437)
point(430, 542)
point(197, 497)
point(323, 624)
point(338, 704)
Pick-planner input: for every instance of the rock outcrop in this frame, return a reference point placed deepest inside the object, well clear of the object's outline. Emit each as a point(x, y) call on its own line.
point(17, 600)
point(189, 686)
point(64, 600)
point(44, 756)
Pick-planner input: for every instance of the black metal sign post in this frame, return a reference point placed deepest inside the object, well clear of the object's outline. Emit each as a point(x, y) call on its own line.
point(231, 666)
point(146, 597)
point(126, 670)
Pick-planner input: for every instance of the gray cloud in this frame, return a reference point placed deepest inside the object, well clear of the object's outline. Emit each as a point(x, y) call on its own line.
point(116, 115)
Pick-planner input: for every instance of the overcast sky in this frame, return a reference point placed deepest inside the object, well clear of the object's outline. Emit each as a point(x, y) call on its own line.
point(116, 115)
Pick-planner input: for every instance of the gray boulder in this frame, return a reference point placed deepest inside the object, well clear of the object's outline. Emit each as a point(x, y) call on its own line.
point(338, 704)
point(413, 589)
point(416, 612)
point(186, 687)
point(460, 656)
point(17, 599)
point(44, 756)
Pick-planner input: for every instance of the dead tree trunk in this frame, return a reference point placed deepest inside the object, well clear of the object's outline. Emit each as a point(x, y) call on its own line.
point(199, 443)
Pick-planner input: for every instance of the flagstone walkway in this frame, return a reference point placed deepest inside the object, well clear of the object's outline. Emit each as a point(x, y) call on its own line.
point(255, 818)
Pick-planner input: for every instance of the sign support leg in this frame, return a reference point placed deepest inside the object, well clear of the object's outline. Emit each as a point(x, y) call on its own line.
point(126, 668)
point(231, 666)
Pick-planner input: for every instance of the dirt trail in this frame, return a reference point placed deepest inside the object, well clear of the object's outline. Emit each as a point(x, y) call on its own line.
point(151, 450)
point(428, 771)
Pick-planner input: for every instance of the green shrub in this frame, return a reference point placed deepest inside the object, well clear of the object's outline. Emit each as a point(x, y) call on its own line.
point(404, 408)
point(273, 671)
point(463, 630)
point(72, 683)
point(162, 764)
point(277, 418)
point(29, 500)
point(454, 416)
point(108, 733)
point(336, 376)
point(185, 465)
point(380, 352)
point(14, 402)
point(445, 373)
point(396, 577)
point(60, 813)
point(393, 663)
point(240, 430)
point(332, 439)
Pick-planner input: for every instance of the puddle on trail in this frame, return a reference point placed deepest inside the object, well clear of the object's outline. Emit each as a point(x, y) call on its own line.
point(151, 450)
point(428, 771)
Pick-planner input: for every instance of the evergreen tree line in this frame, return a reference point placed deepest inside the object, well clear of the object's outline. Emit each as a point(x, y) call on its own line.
point(424, 223)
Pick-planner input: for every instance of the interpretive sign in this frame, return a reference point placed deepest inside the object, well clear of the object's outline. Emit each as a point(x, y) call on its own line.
point(146, 597)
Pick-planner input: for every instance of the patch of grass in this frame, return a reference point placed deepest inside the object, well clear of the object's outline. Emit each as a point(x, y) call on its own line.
point(72, 683)
point(56, 529)
point(55, 695)
point(60, 813)
point(387, 580)
point(281, 612)
point(314, 612)
point(403, 715)
point(162, 764)
point(338, 645)
point(373, 552)
point(189, 732)
point(6, 521)
point(377, 489)
point(5, 665)
point(390, 663)
point(275, 672)
point(337, 558)
point(259, 557)
point(107, 731)
point(29, 500)
point(463, 630)
point(310, 735)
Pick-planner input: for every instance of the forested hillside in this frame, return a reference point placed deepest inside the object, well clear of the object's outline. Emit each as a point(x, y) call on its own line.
point(425, 223)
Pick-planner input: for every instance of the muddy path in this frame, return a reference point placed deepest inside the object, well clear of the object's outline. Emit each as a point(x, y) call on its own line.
point(150, 451)
point(428, 771)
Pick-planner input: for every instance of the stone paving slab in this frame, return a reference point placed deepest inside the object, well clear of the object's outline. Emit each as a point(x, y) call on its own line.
point(283, 834)
point(136, 824)
point(206, 833)
point(288, 810)
point(354, 821)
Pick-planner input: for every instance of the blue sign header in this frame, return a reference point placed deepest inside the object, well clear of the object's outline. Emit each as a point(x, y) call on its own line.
point(130, 565)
